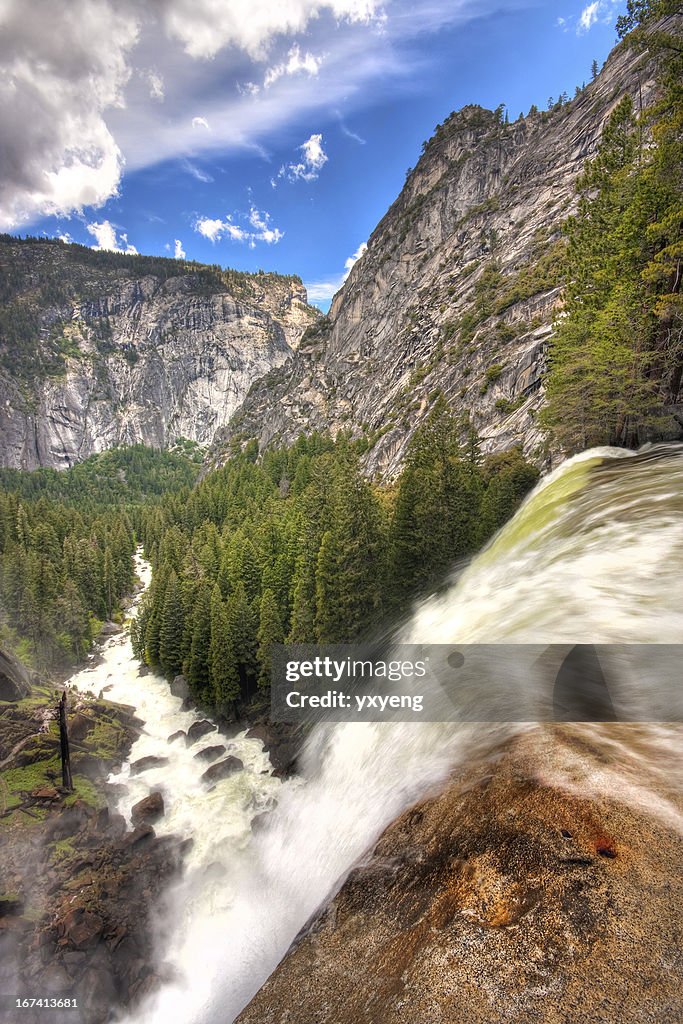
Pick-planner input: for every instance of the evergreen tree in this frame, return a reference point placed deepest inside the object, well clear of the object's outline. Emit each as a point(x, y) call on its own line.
point(270, 632)
point(197, 668)
point(172, 628)
point(223, 668)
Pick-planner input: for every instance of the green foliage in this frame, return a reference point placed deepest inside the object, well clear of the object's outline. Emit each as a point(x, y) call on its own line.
point(66, 547)
point(300, 545)
point(617, 356)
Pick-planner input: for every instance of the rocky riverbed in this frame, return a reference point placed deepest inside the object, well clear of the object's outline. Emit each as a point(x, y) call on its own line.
point(78, 887)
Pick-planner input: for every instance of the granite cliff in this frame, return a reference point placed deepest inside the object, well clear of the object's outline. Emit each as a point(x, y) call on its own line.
point(458, 289)
point(102, 349)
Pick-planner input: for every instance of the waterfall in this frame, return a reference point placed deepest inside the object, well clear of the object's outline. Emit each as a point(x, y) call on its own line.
point(595, 554)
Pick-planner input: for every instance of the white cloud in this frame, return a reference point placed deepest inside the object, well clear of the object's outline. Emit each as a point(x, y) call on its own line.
point(68, 118)
point(259, 229)
point(204, 27)
point(589, 16)
point(156, 85)
point(197, 172)
point(104, 234)
point(325, 290)
point(63, 67)
point(313, 159)
point(178, 251)
point(248, 89)
point(296, 63)
point(350, 261)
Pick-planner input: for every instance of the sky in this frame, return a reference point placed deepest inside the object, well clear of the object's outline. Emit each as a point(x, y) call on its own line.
point(257, 134)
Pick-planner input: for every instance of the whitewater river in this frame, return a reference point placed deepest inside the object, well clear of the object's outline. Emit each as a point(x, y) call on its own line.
point(594, 555)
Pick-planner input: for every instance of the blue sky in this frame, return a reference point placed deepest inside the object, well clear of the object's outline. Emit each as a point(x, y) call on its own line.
point(272, 139)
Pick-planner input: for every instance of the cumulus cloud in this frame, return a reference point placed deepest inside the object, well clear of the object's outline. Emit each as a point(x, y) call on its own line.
point(257, 228)
point(296, 63)
point(105, 237)
point(178, 251)
point(63, 66)
point(204, 27)
point(313, 159)
point(324, 291)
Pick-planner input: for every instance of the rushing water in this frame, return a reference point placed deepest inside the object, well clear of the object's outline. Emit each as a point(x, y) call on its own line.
point(594, 555)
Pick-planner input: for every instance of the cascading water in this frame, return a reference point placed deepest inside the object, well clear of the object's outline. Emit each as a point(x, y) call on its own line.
point(594, 555)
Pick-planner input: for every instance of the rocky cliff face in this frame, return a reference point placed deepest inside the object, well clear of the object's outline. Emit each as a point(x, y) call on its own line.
point(99, 350)
point(542, 889)
point(457, 291)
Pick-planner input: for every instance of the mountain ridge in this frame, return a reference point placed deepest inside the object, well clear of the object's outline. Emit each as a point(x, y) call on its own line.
point(100, 349)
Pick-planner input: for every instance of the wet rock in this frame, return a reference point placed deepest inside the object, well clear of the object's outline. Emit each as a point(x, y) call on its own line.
point(55, 981)
point(150, 808)
point(71, 821)
point(180, 734)
point(211, 753)
point(222, 769)
point(11, 904)
point(140, 836)
point(282, 743)
point(15, 681)
point(144, 764)
point(486, 903)
point(80, 725)
point(48, 793)
point(99, 993)
point(179, 687)
point(110, 629)
point(260, 821)
point(199, 729)
point(80, 929)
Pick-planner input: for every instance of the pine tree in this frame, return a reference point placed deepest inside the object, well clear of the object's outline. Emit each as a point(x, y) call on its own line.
point(172, 629)
point(223, 668)
point(197, 667)
point(270, 632)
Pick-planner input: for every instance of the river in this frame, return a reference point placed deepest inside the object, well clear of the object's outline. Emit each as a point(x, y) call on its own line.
point(594, 555)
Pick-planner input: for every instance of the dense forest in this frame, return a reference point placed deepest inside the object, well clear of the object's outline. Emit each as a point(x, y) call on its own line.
point(301, 546)
point(66, 548)
point(617, 356)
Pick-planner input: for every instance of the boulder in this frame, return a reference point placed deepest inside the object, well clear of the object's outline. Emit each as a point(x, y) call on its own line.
point(139, 837)
point(150, 808)
point(81, 724)
point(177, 735)
point(199, 729)
point(144, 764)
point(81, 928)
point(110, 629)
point(179, 687)
point(525, 892)
point(45, 793)
point(15, 681)
point(211, 753)
point(222, 769)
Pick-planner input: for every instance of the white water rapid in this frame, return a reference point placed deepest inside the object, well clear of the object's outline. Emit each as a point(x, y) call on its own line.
point(594, 555)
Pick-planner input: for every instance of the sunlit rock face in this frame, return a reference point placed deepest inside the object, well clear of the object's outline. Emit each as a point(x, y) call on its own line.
point(118, 357)
point(457, 291)
point(544, 889)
